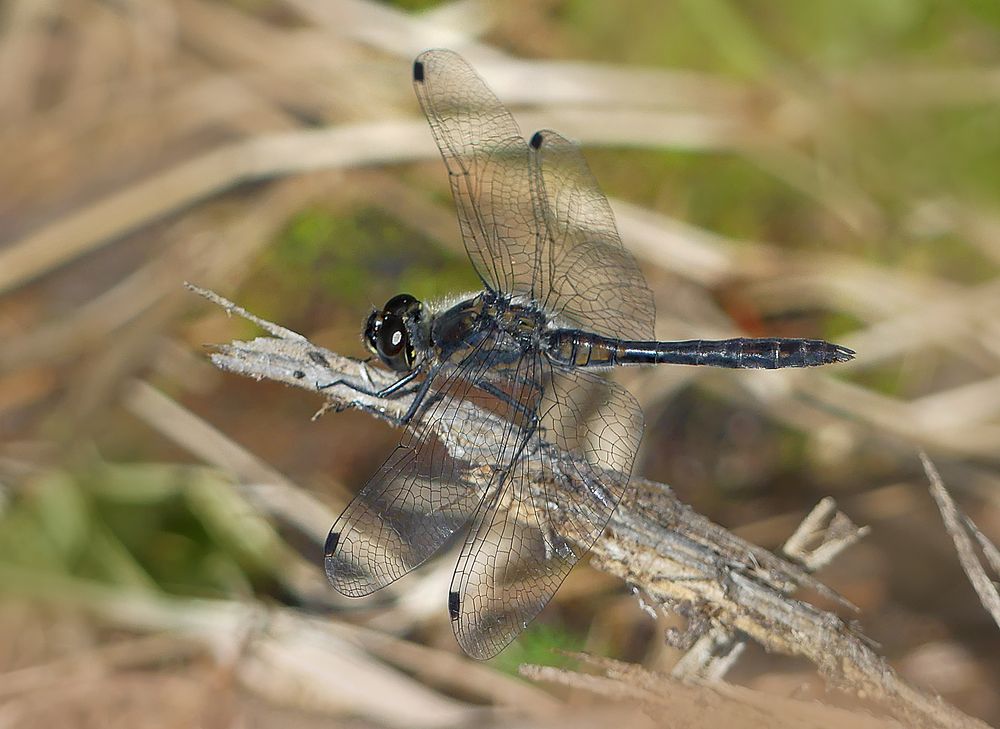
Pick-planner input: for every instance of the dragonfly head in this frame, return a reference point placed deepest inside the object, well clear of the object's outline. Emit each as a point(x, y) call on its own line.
point(390, 333)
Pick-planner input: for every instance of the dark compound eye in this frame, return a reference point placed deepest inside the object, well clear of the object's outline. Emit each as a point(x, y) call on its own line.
point(392, 336)
point(370, 334)
point(402, 305)
point(394, 344)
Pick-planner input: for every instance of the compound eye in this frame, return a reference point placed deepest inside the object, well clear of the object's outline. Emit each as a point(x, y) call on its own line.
point(403, 305)
point(391, 336)
point(394, 344)
point(372, 326)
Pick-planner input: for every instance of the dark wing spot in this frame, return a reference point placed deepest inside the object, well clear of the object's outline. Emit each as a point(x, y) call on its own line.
point(318, 358)
point(298, 374)
point(536, 140)
point(418, 71)
point(331, 544)
point(453, 605)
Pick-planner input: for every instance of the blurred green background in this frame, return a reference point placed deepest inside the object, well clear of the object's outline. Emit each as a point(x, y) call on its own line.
point(823, 169)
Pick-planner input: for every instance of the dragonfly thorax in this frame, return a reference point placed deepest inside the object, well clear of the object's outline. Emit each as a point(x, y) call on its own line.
point(522, 321)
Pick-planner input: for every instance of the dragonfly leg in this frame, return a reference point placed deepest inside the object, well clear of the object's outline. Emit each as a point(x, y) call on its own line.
point(491, 389)
point(421, 395)
point(506, 399)
point(388, 391)
point(552, 542)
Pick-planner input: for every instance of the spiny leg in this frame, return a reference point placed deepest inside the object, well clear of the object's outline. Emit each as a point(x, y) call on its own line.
point(388, 391)
point(506, 399)
point(395, 389)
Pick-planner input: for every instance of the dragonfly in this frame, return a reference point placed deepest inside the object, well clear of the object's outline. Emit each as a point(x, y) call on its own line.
point(562, 302)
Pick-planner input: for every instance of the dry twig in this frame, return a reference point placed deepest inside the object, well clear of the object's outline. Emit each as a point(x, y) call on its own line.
point(960, 526)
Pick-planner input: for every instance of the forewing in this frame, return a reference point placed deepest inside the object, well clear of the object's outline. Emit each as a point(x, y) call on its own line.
point(430, 485)
point(592, 279)
point(489, 167)
point(547, 512)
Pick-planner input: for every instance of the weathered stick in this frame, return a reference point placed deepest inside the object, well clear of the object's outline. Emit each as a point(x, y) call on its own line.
point(960, 527)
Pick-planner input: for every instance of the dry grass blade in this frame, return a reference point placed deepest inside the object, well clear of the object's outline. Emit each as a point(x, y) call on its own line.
point(298, 152)
point(959, 526)
point(191, 181)
point(138, 652)
point(822, 535)
point(282, 655)
point(700, 705)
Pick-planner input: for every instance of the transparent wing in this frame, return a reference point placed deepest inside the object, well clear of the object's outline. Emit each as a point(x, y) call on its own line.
point(526, 538)
point(424, 492)
point(489, 165)
point(589, 276)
